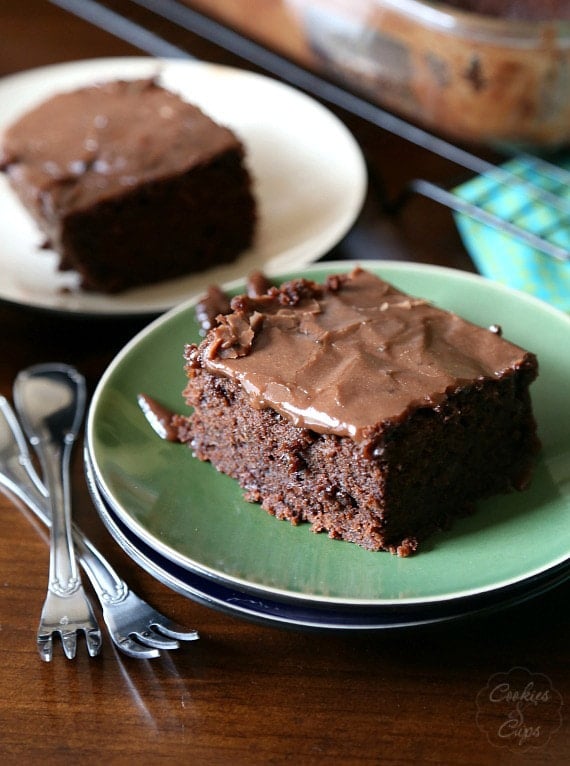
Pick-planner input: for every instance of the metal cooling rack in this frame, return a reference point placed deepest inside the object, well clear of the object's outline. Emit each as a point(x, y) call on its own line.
point(539, 183)
point(549, 181)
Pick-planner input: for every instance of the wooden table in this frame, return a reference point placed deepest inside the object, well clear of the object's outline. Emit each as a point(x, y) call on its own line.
point(247, 693)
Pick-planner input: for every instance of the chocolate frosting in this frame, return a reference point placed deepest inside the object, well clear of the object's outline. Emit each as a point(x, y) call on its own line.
point(346, 357)
point(98, 142)
point(159, 417)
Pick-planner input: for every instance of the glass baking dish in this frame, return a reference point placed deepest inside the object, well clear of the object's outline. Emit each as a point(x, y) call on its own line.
point(472, 77)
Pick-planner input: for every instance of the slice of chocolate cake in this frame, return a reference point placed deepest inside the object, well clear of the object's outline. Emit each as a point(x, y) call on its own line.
point(375, 416)
point(130, 184)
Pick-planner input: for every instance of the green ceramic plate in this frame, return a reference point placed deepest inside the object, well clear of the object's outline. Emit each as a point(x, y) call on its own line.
point(197, 517)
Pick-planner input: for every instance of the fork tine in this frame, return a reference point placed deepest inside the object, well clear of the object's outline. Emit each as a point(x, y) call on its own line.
point(45, 646)
point(150, 638)
point(69, 641)
point(133, 649)
point(174, 630)
point(94, 641)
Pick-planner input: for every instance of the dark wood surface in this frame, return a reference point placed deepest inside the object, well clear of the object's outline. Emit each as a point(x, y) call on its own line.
point(247, 693)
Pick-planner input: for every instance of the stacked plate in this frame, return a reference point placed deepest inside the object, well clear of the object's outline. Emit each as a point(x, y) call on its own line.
point(190, 527)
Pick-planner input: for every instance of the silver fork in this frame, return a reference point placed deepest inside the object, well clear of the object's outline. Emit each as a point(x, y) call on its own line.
point(137, 629)
point(51, 401)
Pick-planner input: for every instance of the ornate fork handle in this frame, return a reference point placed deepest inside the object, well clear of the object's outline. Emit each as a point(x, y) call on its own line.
point(18, 475)
point(110, 588)
point(64, 579)
point(50, 399)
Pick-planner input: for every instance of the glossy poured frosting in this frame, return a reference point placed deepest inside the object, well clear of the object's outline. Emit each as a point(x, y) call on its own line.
point(98, 142)
point(346, 357)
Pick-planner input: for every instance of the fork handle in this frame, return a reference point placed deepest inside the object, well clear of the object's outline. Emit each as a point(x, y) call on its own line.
point(63, 577)
point(110, 588)
point(20, 478)
point(50, 399)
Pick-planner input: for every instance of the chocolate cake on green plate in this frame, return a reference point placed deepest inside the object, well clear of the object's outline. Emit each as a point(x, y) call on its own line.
point(373, 415)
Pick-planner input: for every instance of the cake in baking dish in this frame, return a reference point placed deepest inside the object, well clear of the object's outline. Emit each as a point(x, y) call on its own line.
point(373, 415)
point(131, 184)
point(524, 10)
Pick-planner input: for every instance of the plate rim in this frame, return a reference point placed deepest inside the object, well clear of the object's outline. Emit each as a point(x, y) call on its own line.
point(208, 572)
point(371, 618)
point(79, 305)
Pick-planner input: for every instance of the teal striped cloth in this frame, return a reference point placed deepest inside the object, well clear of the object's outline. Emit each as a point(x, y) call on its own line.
point(535, 196)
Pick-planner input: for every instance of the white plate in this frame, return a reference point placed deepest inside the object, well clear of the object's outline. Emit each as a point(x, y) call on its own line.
point(310, 180)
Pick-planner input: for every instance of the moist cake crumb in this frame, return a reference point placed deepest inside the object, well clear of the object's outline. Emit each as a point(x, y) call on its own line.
point(373, 415)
